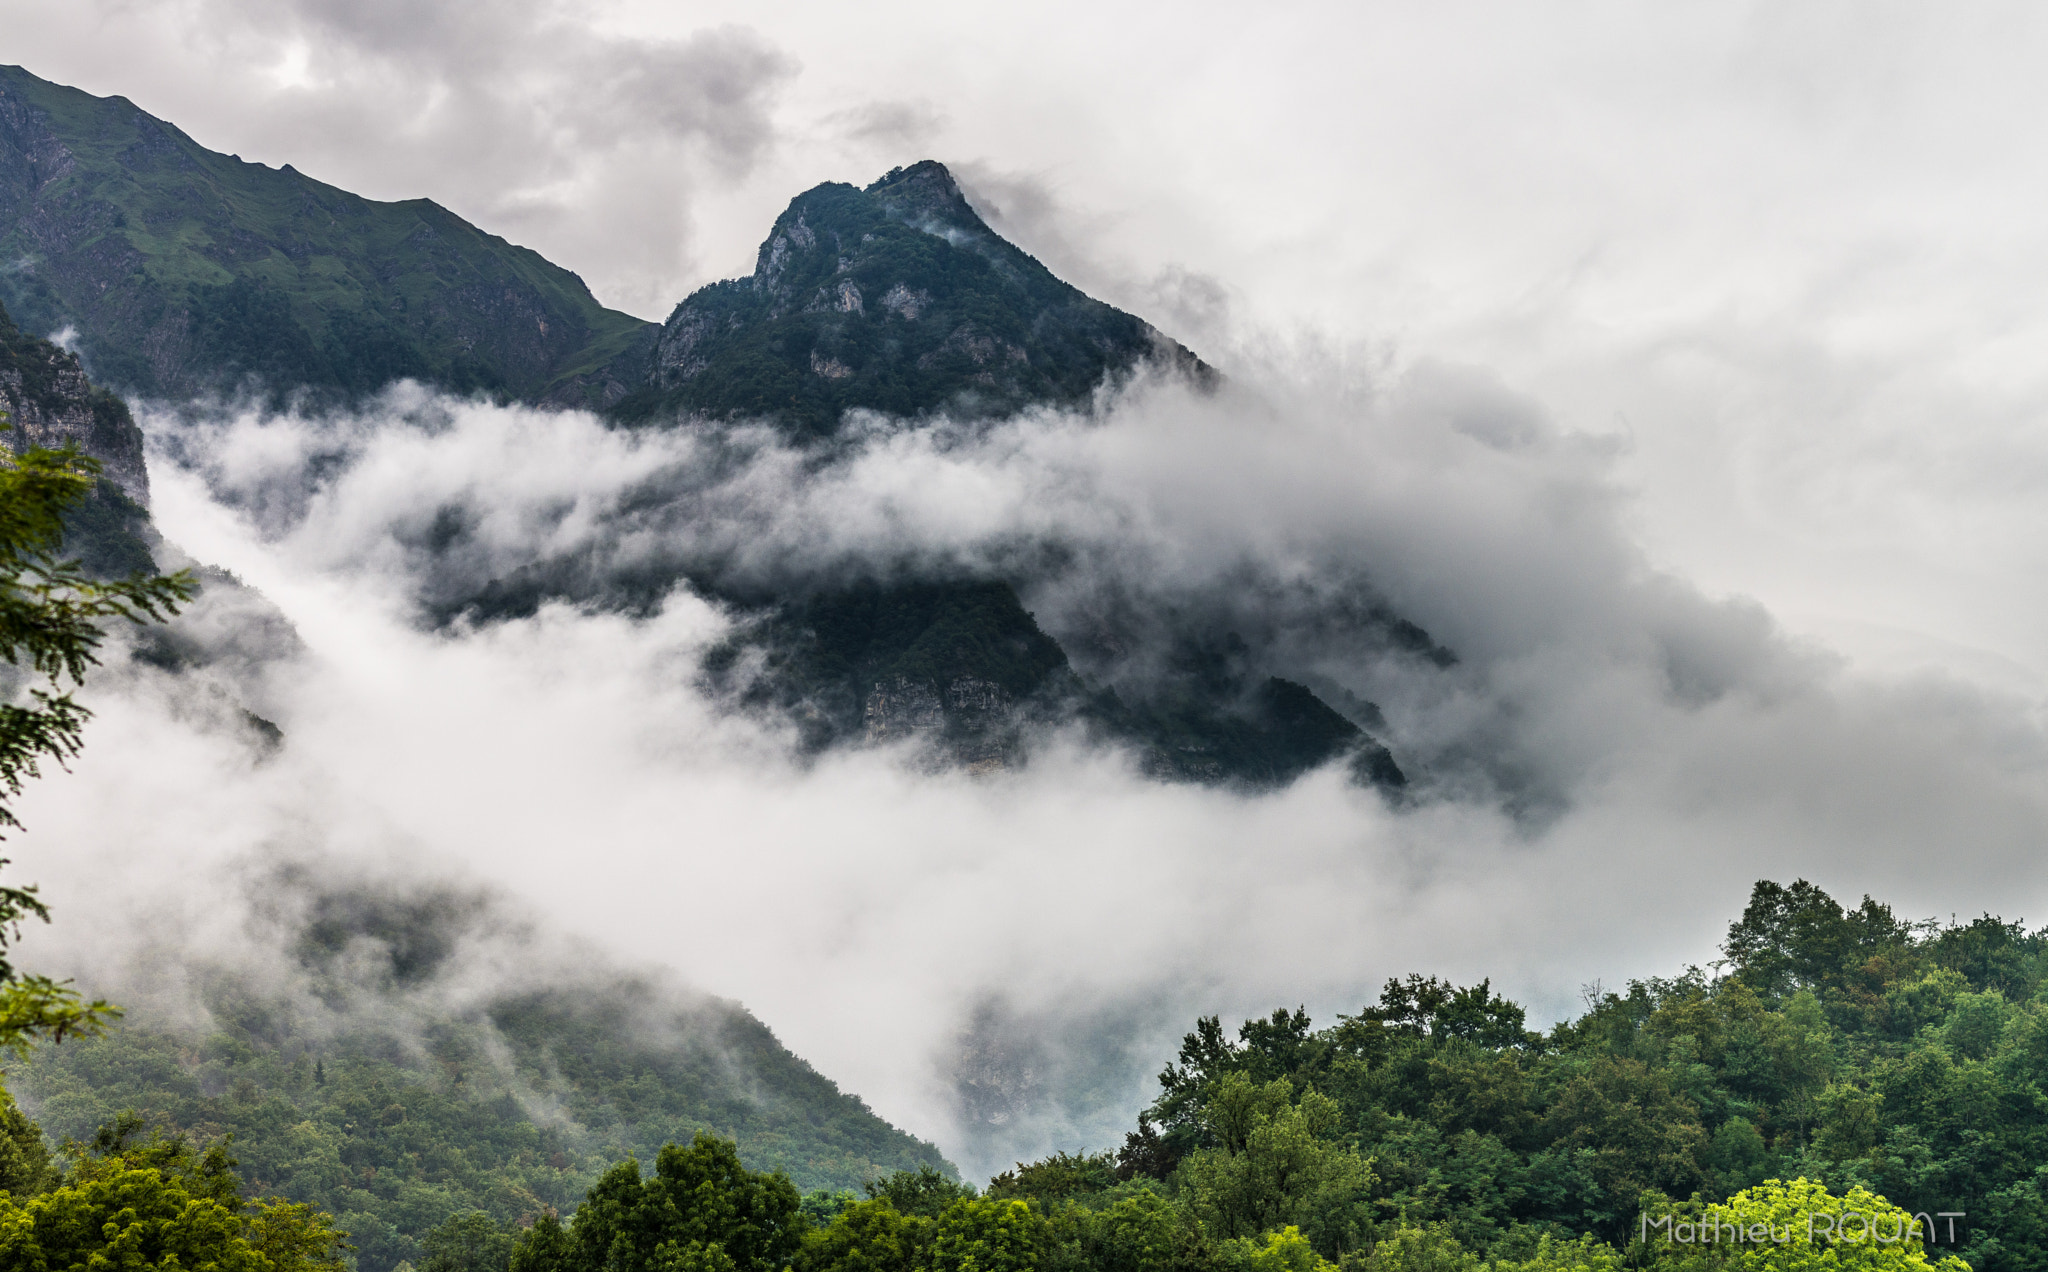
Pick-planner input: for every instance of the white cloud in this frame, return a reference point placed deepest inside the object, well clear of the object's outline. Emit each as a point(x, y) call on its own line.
point(1738, 533)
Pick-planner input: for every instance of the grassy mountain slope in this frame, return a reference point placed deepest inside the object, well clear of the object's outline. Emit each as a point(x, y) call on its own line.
point(183, 270)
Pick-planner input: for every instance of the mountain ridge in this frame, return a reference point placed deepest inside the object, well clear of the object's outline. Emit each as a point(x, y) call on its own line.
point(184, 270)
point(895, 298)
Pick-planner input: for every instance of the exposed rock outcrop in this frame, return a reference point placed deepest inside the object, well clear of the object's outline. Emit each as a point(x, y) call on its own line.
point(45, 393)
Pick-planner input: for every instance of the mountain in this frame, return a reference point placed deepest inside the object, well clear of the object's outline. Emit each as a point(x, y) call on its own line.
point(183, 270)
point(897, 299)
point(385, 1065)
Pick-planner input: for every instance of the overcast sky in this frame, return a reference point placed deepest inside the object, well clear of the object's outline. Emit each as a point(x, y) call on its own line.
point(1779, 266)
point(1792, 253)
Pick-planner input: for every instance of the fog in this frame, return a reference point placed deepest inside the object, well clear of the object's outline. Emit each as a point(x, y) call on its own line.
point(1677, 369)
point(1000, 963)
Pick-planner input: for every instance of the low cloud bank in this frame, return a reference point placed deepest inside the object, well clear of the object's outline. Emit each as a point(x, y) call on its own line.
point(1001, 963)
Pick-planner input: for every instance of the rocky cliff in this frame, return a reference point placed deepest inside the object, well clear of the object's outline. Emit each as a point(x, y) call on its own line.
point(45, 393)
point(50, 403)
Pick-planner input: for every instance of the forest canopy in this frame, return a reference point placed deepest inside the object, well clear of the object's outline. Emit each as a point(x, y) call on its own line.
point(1840, 1061)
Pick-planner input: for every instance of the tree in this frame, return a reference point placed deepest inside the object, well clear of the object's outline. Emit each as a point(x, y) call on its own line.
point(155, 1202)
point(544, 1247)
point(1788, 1227)
point(471, 1241)
point(1274, 1165)
point(50, 631)
point(25, 1165)
point(988, 1236)
point(701, 1211)
point(925, 1191)
point(868, 1236)
point(1143, 1233)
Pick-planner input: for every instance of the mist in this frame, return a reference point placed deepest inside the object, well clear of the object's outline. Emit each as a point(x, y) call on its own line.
point(1677, 371)
point(1000, 963)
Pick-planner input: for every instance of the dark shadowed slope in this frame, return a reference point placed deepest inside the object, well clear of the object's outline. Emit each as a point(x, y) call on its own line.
point(184, 270)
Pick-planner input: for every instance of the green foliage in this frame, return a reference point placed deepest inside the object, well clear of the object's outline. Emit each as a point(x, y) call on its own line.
point(51, 616)
point(134, 1202)
point(924, 1191)
point(1061, 1177)
point(546, 1246)
point(26, 1167)
point(396, 1135)
point(1426, 1249)
point(1273, 1164)
point(988, 1235)
point(1844, 1047)
point(700, 1210)
point(470, 1242)
point(1786, 1227)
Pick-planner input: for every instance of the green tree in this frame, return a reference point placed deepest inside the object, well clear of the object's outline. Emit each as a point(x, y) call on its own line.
point(1143, 1232)
point(156, 1203)
point(1283, 1251)
point(1274, 1164)
point(925, 1191)
point(1431, 1248)
point(1782, 1226)
point(51, 616)
point(988, 1235)
point(25, 1165)
point(544, 1247)
point(868, 1236)
point(701, 1211)
point(471, 1241)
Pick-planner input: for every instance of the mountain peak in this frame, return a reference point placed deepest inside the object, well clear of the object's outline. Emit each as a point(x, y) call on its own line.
point(925, 194)
point(895, 298)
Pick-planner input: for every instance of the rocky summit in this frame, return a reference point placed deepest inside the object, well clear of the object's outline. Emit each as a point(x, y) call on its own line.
point(897, 299)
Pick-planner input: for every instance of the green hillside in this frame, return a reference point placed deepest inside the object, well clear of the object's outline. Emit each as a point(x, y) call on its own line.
point(394, 1125)
point(184, 270)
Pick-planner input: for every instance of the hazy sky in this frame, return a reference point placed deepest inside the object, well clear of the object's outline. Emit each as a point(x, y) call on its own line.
point(1700, 327)
point(1790, 252)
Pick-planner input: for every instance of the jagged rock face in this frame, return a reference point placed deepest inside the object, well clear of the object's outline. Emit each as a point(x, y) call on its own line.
point(185, 270)
point(896, 298)
point(45, 393)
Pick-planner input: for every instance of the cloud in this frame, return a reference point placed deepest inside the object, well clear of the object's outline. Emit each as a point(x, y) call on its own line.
point(1001, 963)
point(1639, 350)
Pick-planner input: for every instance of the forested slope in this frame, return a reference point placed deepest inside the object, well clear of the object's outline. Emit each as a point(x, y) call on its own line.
point(408, 1054)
